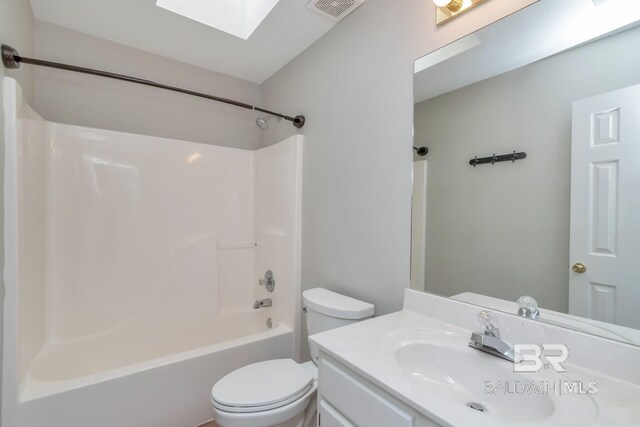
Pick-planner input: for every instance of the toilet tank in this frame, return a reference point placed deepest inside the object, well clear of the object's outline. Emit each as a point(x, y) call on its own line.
point(327, 310)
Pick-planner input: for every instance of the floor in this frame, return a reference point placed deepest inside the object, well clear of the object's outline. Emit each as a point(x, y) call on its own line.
point(209, 424)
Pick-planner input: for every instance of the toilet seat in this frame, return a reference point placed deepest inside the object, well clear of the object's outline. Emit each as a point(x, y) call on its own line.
point(262, 386)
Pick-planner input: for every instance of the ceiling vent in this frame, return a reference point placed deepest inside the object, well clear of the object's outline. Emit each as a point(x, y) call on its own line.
point(334, 9)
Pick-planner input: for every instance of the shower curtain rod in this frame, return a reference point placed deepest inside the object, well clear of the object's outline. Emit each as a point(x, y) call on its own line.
point(12, 60)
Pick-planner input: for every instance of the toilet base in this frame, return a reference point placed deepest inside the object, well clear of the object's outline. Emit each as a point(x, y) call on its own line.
point(306, 419)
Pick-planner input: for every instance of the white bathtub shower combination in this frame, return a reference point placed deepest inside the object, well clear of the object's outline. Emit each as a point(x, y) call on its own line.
point(132, 265)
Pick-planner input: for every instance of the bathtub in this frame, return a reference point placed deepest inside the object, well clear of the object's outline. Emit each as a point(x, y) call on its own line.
point(171, 391)
point(131, 267)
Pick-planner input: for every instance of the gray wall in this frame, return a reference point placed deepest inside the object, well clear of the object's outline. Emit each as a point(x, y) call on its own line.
point(91, 101)
point(16, 29)
point(503, 231)
point(355, 87)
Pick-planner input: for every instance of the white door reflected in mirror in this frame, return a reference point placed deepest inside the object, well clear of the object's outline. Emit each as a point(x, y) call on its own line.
point(605, 208)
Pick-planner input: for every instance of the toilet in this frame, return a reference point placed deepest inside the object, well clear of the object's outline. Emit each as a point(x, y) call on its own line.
point(282, 393)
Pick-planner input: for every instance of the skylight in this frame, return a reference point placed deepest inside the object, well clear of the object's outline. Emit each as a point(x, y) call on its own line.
point(236, 17)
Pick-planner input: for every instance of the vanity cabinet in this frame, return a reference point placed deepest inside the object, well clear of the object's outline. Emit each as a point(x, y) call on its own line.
point(346, 399)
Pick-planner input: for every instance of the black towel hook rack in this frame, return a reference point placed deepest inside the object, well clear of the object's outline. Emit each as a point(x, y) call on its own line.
point(497, 159)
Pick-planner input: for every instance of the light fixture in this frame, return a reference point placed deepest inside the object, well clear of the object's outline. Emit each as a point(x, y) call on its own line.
point(448, 9)
point(452, 5)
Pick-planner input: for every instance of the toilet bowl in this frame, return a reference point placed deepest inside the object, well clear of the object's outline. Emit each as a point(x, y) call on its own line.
point(281, 392)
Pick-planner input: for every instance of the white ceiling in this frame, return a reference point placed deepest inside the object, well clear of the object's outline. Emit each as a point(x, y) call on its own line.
point(538, 31)
point(287, 31)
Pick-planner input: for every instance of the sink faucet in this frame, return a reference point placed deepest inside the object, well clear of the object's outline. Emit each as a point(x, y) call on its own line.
point(489, 341)
point(262, 303)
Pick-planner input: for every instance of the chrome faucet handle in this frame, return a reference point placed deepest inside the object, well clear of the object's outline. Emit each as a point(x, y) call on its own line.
point(528, 307)
point(490, 341)
point(268, 281)
point(489, 323)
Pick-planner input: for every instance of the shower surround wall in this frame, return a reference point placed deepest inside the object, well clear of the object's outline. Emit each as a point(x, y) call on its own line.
point(132, 275)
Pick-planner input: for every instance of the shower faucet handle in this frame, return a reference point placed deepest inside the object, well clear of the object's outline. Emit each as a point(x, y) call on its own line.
point(268, 281)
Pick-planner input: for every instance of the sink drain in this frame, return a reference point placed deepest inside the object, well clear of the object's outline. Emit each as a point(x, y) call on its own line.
point(476, 406)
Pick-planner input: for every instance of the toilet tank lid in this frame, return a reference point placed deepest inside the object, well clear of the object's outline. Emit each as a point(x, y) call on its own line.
point(336, 305)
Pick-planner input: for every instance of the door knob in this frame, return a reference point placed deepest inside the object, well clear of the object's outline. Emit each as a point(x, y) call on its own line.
point(579, 268)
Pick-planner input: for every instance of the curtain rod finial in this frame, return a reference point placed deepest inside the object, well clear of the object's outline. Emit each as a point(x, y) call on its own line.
point(298, 121)
point(9, 55)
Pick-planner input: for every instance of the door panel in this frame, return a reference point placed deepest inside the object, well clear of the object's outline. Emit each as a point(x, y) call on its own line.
point(605, 208)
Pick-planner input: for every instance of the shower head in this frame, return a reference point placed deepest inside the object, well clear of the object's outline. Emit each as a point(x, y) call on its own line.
point(263, 122)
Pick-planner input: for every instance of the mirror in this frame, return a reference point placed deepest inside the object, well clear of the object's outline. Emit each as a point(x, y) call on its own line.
point(531, 183)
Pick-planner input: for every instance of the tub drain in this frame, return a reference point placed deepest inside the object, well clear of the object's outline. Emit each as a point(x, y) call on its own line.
point(476, 406)
point(269, 323)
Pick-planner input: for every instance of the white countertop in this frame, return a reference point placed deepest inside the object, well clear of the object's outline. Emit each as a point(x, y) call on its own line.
point(358, 346)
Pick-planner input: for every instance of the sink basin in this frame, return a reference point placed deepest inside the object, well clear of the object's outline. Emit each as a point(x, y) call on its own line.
point(443, 363)
point(432, 366)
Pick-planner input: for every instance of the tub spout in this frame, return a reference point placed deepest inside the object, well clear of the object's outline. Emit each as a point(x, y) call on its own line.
point(262, 303)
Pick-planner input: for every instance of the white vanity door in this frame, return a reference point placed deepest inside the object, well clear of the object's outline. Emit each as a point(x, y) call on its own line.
point(349, 400)
point(605, 208)
point(328, 416)
point(356, 401)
